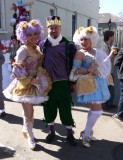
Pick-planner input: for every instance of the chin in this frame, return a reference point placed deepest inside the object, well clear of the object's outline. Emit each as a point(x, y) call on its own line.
point(54, 36)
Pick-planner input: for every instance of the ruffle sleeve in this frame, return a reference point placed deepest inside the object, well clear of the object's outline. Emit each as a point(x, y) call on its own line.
point(18, 70)
point(104, 63)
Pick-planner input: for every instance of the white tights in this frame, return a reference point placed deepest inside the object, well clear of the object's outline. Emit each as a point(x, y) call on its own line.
point(91, 120)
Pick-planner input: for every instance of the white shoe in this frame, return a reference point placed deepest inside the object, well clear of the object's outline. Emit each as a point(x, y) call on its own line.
point(32, 144)
point(85, 140)
point(92, 138)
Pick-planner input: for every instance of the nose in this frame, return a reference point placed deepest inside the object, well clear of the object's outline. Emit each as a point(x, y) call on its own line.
point(53, 30)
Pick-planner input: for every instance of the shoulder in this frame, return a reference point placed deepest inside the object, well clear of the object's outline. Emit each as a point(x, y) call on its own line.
point(70, 44)
point(79, 54)
point(67, 41)
point(22, 50)
point(42, 43)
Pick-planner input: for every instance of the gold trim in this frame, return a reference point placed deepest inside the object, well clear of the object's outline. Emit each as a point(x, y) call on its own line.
point(33, 54)
point(44, 72)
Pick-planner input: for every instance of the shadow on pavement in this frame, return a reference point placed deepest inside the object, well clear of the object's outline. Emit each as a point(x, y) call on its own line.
point(6, 152)
point(13, 119)
point(99, 150)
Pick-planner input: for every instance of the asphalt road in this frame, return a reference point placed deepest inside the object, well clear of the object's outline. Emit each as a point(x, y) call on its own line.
point(108, 131)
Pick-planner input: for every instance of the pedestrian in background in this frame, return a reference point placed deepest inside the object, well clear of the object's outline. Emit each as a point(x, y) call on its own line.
point(118, 61)
point(93, 67)
point(58, 57)
point(14, 48)
point(2, 107)
point(31, 82)
point(107, 47)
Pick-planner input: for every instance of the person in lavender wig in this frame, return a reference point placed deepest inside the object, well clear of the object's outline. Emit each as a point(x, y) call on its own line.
point(31, 82)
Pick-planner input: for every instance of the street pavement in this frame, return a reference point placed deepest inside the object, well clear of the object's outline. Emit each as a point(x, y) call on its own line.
point(13, 146)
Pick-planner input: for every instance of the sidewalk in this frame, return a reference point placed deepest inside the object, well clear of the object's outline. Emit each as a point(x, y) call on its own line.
point(13, 146)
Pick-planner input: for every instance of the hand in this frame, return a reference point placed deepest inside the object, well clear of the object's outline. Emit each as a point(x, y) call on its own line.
point(113, 52)
point(93, 67)
point(34, 82)
point(91, 74)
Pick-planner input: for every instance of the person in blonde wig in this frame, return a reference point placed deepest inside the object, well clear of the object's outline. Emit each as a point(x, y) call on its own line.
point(92, 63)
point(31, 82)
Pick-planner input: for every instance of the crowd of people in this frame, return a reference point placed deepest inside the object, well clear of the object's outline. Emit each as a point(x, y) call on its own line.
point(41, 70)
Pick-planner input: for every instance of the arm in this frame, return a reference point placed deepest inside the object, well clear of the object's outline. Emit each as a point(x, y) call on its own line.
point(119, 58)
point(19, 70)
point(2, 59)
point(72, 52)
point(79, 57)
point(104, 63)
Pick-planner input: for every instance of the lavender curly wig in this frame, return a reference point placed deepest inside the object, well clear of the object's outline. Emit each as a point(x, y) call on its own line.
point(25, 28)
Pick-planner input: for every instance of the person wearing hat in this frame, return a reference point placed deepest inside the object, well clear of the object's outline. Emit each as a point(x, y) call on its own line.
point(93, 66)
point(58, 55)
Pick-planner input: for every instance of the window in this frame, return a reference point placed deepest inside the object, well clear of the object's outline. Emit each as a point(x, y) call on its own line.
point(88, 22)
point(74, 24)
point(2, 15)
point(100, 31)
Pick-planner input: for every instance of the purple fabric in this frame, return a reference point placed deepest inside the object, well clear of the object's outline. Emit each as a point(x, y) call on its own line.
point(52, 128)
point(41, 44)
point(69, 131)
point(55, 62)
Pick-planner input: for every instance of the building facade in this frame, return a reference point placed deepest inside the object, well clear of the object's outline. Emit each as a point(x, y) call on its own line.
point(108, 21)
point(73, 15)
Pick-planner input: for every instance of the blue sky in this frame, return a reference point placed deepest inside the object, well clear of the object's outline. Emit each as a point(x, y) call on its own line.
point(111, 6)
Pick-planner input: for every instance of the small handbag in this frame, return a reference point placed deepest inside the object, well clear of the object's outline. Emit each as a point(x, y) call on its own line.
point(86, 84)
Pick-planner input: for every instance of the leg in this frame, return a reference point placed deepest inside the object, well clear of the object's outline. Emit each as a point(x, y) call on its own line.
point(65, 101)
point(50, 113)
point(93, 115)
point(120, 105)
point(119, 115)
point(28, 124)
point(2, 108)
point(109, 104)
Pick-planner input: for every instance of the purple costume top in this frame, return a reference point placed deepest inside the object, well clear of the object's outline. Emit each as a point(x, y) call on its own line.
point(58, 59)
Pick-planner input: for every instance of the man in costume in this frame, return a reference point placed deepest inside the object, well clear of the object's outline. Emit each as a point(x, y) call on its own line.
point(58, 56)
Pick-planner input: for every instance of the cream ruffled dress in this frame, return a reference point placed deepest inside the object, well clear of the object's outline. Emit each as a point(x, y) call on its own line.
point(27, 66)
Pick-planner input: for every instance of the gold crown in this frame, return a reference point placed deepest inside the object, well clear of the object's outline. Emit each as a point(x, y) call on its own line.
point(53, 21)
